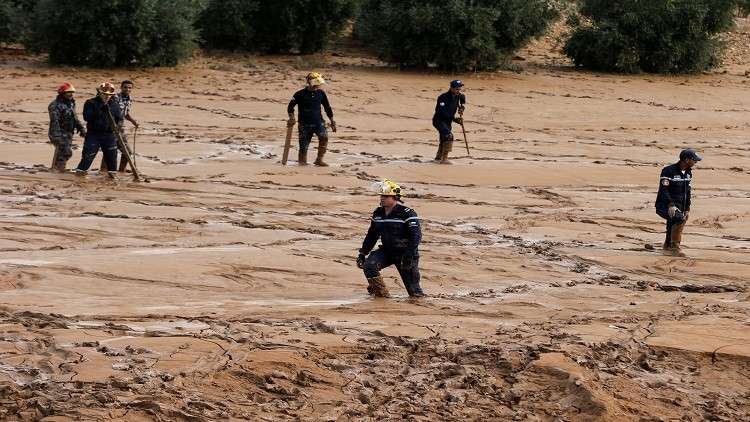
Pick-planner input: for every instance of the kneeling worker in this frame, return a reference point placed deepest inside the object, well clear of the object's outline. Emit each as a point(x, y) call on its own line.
point(399, 231)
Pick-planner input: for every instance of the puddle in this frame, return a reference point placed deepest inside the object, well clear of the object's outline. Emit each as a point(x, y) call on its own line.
point(172, 251)
point(301, 303)
point(26, 262)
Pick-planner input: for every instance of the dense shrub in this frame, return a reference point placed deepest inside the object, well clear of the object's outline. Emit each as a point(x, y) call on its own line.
point(274, 26)
point(451, 34)
point(14, 16)
point(661, 36)
point(110, 33)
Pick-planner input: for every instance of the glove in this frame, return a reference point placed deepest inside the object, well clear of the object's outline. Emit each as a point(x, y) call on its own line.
point(82, 132)
point(135, 124)
point(333, 126)
point(686, 214)
point(361, 260)
point(459, 120)
point(461, 109)
point(672, 211)
point(291, 122)
point(54, 141)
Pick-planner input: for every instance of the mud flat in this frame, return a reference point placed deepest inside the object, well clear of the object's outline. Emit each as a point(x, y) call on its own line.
point(226, 287)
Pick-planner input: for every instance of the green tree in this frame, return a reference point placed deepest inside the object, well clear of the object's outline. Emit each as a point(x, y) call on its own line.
point(273, 26)
point(659, 36)
point(451, 34)
point(14, 19)
point(109, 33)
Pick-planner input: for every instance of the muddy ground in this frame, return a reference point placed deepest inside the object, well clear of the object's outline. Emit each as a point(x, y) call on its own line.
point(226, 287)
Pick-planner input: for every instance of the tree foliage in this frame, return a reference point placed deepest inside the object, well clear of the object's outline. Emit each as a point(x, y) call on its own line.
point(107, 33)
point(451, 34)
point(273, 26)
point(660, 36)
point(14, 19)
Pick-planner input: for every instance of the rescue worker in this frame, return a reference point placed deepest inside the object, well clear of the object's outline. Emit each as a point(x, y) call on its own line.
point(311, 121)
point(62, 123)
point(447, 105)
point(673, 198)
point(398, 229)
point(100, 131)
point(126, 106)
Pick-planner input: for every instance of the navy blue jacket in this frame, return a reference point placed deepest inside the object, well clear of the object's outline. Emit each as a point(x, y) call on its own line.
point(399, 231)
point(97, 120)
point(674, 188)
point(309, 106)
point(447, 105)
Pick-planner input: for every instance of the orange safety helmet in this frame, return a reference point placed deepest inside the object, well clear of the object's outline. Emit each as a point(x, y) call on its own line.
point(66, 87)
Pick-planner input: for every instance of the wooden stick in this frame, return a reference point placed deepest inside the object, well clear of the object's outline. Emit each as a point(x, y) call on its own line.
point(123, 147)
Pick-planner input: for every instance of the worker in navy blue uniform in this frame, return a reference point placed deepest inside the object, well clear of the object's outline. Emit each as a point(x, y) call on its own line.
point(309, 100)
point(448, 104)
point(100, 133)
point(673, 199)
point(398, 229)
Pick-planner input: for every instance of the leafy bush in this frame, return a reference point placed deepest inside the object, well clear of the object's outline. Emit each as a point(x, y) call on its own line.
point(744, 6)
point(109, 33)
point(451, 34)
point(273, 26)
point(14, 15)
point(660, 36)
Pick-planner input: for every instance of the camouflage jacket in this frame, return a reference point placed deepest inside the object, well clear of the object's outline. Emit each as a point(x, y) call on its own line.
point(62, 118)
point(125, 102)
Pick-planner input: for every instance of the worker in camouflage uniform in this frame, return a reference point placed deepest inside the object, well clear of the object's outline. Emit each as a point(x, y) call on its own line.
point(125, 102)
point(398, 229)
point(62, 124)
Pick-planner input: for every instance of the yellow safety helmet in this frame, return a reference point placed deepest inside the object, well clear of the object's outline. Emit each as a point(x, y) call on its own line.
point(106, 88)
point(315, 78)
point(388, 188)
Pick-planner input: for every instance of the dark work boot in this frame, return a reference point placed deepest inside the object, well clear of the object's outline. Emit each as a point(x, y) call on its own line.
point(302, 158)
point(123, 164)
point(415, 291)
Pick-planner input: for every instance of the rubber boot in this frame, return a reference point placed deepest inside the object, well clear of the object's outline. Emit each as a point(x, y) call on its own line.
point(59, 166)
point(447, 148)
point(376, 287)
point(439, 155)
point(668, 239)
point(302, 158)
point(322, 148)
point(677, 240)
point(415, 291)
point(123, 164)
